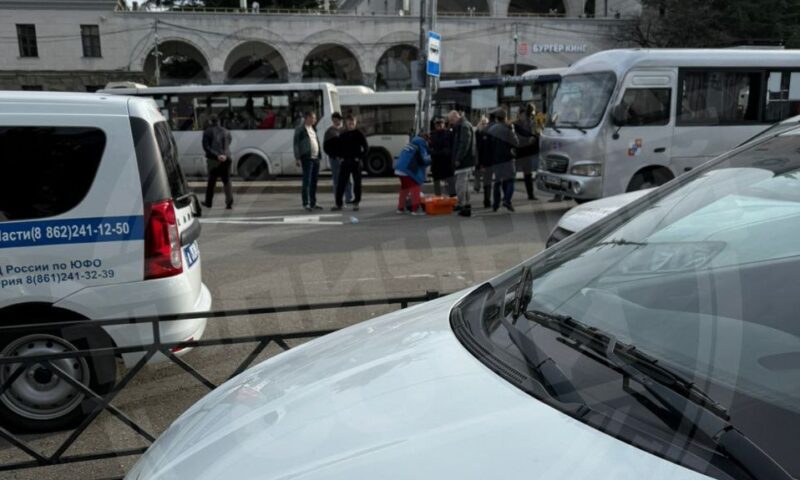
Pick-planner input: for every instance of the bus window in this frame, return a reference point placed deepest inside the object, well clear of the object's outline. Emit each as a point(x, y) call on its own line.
point(783, 96)
point(647, 106)
point(206, 106)
point(719, 97)
point(304, 101)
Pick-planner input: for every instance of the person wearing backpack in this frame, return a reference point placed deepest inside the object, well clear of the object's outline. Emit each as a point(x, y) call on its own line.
point(410, 168)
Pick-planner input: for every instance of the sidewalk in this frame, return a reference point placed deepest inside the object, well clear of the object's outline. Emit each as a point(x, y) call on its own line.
point(293, 185)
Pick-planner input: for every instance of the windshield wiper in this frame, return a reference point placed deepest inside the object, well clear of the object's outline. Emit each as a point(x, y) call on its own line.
point(574, 125)
point(688, 407)
point(552, 378)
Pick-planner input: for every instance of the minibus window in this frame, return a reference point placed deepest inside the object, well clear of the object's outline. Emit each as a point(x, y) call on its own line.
point(719, 97)
point(50, 169)
point(647, 106)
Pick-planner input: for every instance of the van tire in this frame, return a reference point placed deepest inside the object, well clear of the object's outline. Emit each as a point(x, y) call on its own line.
point(649, 178)
point(20, 411)
point(253, 168)
point(378, 163)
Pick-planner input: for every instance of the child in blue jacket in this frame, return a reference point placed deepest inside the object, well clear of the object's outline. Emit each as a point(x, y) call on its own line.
point(411, 165)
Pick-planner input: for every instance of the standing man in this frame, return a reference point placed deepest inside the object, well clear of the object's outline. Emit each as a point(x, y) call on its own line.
point(217, 147)
point(525, 128)
point(331, 146)
point(256, 7)
point(463, 159)
point(353, 149)
point(484, 160)
point(307, 154)
point(442, 158)
point(503, 143)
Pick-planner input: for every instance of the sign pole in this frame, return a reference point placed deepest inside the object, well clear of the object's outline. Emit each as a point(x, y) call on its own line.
point(516, 47)
point(431, 79)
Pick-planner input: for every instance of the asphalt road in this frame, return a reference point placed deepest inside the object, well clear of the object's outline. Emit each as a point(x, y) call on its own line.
point(267, 251)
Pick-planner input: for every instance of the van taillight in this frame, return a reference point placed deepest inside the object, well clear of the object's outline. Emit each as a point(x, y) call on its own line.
point(162, 244)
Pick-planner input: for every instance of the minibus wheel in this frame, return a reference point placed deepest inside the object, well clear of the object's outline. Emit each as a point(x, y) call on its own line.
point(41, 401)
point(649, 178)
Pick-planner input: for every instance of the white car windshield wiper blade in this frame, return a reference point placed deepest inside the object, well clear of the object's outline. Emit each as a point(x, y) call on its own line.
point(687, 405)
point(552, 378)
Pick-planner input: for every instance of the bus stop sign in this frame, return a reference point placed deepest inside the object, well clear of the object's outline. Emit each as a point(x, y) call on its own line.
point(434, 54)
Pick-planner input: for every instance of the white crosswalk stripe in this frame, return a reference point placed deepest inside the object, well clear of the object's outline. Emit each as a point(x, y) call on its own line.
point(325, 219)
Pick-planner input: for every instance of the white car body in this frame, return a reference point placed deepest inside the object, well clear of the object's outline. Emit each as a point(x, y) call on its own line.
point(397, 397)
point(584, 215)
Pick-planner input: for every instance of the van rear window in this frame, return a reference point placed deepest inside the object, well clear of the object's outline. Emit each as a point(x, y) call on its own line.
point(169, 156)
point(47, 170)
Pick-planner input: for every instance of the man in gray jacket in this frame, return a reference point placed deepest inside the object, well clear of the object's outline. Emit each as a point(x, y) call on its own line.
point(217, 147)
point(307, 153)
point(463, 159)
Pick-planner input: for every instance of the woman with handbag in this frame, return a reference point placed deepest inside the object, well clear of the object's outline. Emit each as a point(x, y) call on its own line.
point(411, 165)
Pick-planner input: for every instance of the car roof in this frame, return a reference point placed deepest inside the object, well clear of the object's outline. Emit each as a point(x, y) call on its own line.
point(24, 102)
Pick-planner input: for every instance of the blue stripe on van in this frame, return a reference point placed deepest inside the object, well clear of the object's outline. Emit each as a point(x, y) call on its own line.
point(71, 231)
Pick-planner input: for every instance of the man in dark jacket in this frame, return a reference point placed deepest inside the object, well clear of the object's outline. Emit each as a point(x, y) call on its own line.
point(463, 159)
point(331, 147)
point(503, 142)
point(525, 129)
point(441, 150)
point(352, 146)
point(217, 147)
point(484, 160)
point(307, 153)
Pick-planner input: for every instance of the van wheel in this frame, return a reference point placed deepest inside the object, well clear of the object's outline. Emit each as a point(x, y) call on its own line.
point(39, 400)
point(253, 168)
point(650, 178)
point(379, 163)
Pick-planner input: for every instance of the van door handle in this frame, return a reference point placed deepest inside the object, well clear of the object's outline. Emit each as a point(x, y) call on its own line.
point(660, 149)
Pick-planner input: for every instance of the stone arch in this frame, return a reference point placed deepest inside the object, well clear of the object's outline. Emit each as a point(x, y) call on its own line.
point(394, 68)
point(332, 62)
point(255, 62)
point(181, 62)
point(481, 7)
point(523, 7)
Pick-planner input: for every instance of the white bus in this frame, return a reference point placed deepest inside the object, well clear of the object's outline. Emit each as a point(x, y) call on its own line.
point(625, 120)
point(478, 96)
point(387, 119)
point(261, 119)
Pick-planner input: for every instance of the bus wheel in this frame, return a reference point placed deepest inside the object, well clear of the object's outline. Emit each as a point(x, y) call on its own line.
point(379, 163)
point(649, 178)
point(253, 167)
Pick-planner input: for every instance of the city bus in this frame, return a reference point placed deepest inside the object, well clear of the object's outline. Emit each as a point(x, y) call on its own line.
point(387, 119)
point(631, 119)
point(477, 97)
point(261, 119)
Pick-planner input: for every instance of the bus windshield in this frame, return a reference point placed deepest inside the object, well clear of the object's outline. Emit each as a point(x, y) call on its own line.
point(581, 100)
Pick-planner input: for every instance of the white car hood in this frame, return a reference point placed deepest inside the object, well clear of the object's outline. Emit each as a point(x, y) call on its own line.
point(394, 398)
point(580, 217)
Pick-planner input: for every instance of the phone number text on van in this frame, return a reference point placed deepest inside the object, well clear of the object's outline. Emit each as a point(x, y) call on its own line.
point(78, 230)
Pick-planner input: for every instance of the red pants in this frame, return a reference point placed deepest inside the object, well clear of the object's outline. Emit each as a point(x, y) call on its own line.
point(408, 187)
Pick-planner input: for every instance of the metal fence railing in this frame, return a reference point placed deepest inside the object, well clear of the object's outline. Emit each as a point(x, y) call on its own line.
point(96, 404)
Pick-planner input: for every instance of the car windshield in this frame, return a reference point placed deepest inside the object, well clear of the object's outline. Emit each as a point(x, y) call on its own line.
point(702, 276)
point(581, 100)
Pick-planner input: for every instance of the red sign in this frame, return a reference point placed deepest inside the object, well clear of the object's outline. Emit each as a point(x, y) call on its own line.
point(523, 48)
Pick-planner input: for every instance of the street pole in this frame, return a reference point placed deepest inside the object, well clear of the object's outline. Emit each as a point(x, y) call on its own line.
point(497, 68)
point(423, 60)
point(516, 50)
point(430, 80)
point(158, 57)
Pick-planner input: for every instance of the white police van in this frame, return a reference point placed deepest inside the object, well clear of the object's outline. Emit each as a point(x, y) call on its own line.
point(95, 222)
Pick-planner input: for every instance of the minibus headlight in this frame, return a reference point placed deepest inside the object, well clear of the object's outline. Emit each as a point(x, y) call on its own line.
point(587, 170)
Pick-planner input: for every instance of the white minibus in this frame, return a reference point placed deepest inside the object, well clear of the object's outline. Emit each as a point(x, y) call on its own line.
point(625, 120)
point(261, 119)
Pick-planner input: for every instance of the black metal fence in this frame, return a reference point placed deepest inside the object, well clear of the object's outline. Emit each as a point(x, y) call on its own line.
point(96, 404)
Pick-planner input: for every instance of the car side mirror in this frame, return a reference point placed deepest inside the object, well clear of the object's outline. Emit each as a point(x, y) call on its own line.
point(619, 115)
